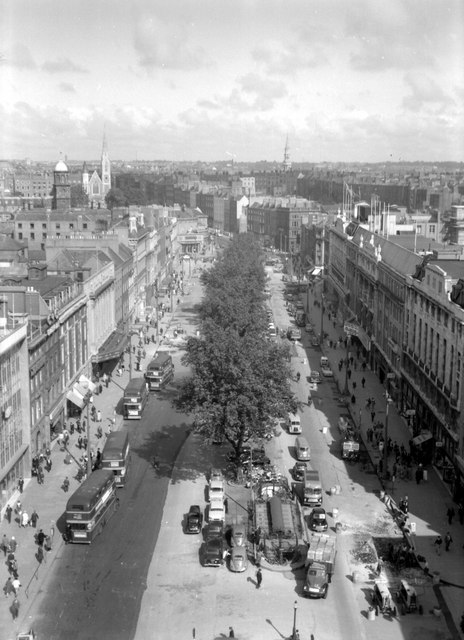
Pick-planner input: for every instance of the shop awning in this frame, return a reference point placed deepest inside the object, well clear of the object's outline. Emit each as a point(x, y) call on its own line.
point(73, 397)
point(316, 271)
point(423, 437)
point(80, 391)
point(85, 383)
point(112, 348)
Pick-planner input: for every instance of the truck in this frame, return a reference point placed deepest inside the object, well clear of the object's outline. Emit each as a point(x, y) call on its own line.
point(320, 563)
point(300, 318)
point(312, 488)
point(350, 448)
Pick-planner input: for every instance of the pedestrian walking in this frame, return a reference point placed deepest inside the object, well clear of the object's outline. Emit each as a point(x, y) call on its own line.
point(13, 545)
point(450, 514)
point(18, 507)
point(231, 633)
point(40, 538)
point(372, 416)
point(5, 545)
point(348, 373)
point(8, 512)
point(461, 514)
point(21, 484)
point(259, 578)
point(33, 519)
point(8, 587)
point(13, 567)
point(16, 584)
point(448, 541)
point(353, 399)
point(24, 519)
point(363, 381)
point(354, 385)
point(419, 474)
point(99, 416)
point(66, 484)
point(15, 608)
point(79, 442)
point(437, 544)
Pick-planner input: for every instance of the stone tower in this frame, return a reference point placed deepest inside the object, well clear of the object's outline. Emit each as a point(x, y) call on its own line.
point(61, 187)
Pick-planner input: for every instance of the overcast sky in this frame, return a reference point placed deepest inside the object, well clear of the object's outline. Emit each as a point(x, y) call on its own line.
point(347, 80)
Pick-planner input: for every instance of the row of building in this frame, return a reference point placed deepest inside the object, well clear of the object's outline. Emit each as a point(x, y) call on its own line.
point(401, 299)
point(69, 306)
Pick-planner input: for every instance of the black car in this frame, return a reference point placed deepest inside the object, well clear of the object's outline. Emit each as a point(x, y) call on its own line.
point(318, 520)
point(298, 470)
point(194, 520)
point(214, 530)
point(212, 552)
point(257, 455)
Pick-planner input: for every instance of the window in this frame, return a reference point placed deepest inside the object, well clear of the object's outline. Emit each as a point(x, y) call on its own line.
point(44, 225)
point(57, 225)
point(31, 225)
point(20, 236)
point(20, 225)
point(85, 225)
point(71, 225)
point(32, 236)
point(44, 236)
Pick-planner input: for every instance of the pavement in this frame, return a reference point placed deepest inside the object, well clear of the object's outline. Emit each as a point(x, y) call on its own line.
point(49, 499)
point(428, 503)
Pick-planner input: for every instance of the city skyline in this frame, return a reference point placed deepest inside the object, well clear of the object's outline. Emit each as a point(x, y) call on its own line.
point(197, 80)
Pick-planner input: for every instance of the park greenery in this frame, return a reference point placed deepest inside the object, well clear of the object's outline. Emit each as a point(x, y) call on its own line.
point(239, 383)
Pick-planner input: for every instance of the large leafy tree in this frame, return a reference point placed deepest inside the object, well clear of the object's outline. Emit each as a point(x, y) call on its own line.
point(240, 380)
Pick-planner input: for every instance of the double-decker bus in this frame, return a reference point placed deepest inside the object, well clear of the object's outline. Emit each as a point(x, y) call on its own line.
point(116, 456)
point(160, 371)
point(91, 506)
point(135, 398)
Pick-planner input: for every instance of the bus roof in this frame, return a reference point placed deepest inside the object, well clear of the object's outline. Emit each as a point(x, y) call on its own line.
point(90, 490)
point(115, 444)
point(136, 385)
point(160, 358)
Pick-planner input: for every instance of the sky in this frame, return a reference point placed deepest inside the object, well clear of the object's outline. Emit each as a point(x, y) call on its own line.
point(216, 80)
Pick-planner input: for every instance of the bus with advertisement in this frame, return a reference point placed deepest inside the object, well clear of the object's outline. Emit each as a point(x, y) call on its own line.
point(116, 456)
point(160, 371)
point(135, 398)
point(91, 506)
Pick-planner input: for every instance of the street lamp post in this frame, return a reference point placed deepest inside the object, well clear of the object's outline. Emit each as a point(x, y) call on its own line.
point(388, 401)
point(294, 632)
point(89, 460)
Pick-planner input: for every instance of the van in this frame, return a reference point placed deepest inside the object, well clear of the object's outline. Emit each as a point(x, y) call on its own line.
point(294, 423)
point(272, 330)
point(303, 452)
point(324, 362)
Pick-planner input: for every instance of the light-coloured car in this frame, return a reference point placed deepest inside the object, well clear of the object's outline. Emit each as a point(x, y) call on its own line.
point(238, 559)
point(216, 511)
point(315, 377)
point(327, 372)
point(238, 536)
point(216, 490)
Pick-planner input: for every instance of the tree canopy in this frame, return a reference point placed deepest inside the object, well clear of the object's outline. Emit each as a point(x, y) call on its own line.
point(240, 379)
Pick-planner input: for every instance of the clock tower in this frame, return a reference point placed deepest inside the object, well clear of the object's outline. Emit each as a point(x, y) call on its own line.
point(105, 168)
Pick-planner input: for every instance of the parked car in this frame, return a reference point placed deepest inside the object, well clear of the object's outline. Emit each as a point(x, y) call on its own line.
point(298, 470)
point(216, 510)
point(238, 536)
point(315, 342)
point(309, 328)
point(315, 377)
point(213, 530)
point(238, 559)
point(318, 519)
point(194, 519)
point(257, 455)
point(215, 474)
point(216, 490)
point(212, 552)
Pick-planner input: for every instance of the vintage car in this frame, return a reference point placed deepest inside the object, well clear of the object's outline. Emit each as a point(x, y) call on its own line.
point(318, 520)
point(238, 559)
point(194, 519)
